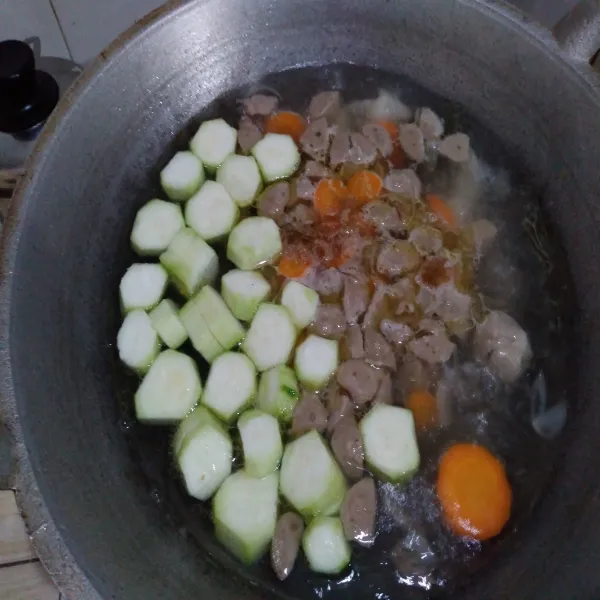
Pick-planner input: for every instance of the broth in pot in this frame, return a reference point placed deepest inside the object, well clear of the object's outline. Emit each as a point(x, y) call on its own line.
point(350, 317)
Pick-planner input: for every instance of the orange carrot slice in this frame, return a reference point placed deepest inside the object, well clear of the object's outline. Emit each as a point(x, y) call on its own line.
point(474, 492)
point(391, 128)
point(365, 186)
point(329, 197)
point(293, 266)
point(441, 210)
point(424, 408)
point(287, 123)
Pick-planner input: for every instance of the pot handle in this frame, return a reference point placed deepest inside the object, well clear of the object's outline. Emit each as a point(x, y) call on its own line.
point(578, 32)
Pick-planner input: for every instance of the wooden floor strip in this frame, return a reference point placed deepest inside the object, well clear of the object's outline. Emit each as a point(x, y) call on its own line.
point(27, 582)
point(15, 545)
point(22, 576)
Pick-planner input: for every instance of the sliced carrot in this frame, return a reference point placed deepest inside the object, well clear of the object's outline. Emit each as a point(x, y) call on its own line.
point(287, 123)
point(398, 157)
point(424, 408)
point(293, 266)
point(391, 128)
point(329, 197)
point(365, 186)
point(441, 210)
point(474, 492)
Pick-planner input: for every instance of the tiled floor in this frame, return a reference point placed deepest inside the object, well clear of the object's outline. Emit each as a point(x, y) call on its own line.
point(81, 28)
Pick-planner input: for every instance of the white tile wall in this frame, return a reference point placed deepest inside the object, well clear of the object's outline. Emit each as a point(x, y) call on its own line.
point(90, 25)
point(20, 19)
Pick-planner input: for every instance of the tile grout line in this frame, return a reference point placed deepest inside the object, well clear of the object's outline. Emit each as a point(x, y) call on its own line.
point(60, 27)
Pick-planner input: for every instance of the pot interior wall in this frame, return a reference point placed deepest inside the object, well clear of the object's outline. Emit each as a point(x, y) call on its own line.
point(101, 164)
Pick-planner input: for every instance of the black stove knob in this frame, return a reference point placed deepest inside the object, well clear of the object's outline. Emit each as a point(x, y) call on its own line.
point(27, 96)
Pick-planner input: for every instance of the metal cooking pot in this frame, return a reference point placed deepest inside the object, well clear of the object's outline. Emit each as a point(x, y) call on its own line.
point(97, 527)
